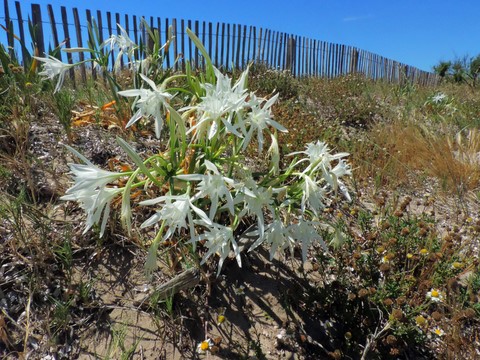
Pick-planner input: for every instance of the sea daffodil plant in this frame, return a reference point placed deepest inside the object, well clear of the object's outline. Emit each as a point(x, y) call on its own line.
point(201, 186)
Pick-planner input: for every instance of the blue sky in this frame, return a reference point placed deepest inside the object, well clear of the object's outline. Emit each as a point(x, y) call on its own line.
point(418, 33)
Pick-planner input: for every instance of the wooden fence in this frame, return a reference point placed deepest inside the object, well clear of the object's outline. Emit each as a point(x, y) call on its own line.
point(229, 45)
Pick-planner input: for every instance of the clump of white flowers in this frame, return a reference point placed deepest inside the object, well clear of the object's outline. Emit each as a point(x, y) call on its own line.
point(201, 184)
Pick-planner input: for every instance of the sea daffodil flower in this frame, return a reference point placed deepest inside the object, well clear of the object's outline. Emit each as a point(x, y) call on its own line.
point(150, 103)
point(53, 67)
point(90, 190)
point(214, 186)
point(259, 118)
point(175, 212)
point(219, 239)
point(94, 202)
point(277, 236)
point(123, 43)
point(219, 104)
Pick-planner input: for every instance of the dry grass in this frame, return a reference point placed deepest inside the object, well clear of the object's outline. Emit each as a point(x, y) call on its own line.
point(395, 151)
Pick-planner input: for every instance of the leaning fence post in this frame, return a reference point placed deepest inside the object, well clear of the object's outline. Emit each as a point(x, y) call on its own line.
point(81, 56)
point(25, 54)
point(9, 26)
point(38, 29)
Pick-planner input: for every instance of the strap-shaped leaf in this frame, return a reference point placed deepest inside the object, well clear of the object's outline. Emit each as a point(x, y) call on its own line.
point(136, 159)
point(208, 61)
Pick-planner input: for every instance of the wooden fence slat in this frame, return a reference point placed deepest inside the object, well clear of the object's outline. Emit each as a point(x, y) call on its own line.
point(222, 46)
point(8, 21)
point(68, 44)
point(300, 56)
point(91, 40)
point(267, 43)
point(53, 25)
point(306, 57)
point(190, 57)
point(196, 50)
point(110, 31)
point(182, 34)
point(239, 40)
point(227, 58)
point(249, 57)
point(100, 27)
point(203, 41)
point(167, 37)
point(175, 43)
point(274, 49)
point(254, 46)
point(244, 40)
point(117, 23)
point(81, 56)
point(210, 43)
point(139, 37)
point(38, 29)
point(264, 43)
point(25, 54)
point(281, 52)
point(312, 58)
point(159, 28)
point(259, 49)
point(234, 31)
point(217, 34)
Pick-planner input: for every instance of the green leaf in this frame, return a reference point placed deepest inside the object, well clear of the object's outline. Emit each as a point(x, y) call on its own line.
point(137, 160)
point(198, 43)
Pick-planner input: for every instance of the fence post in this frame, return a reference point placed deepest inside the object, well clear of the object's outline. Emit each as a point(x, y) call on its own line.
point(54, 31)
point(38, 29)
point(9, 26)
point(67, 41)
point(81, 56)
point(175, 43)
point(91, 40)
point(354, 61)
point(25, 54)
point(290, 60)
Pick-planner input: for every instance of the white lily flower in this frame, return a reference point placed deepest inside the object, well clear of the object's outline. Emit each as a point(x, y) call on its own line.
point(256, 198)
point(218, 105)
point(123, 43)
point(94, 202)
point(53, 67)
point(90, 190)
point(175, 212)
point(90, 177)
point(332, 176)
point(259, 118)
point(313, 194)
point(214, 186)
point(277, 236)
point(438, 98)
point(305, 232)
point(219, 239)
point(150, 103)
point(318, 154)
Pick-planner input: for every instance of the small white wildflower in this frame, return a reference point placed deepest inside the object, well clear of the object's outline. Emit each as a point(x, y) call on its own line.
point(435, 295)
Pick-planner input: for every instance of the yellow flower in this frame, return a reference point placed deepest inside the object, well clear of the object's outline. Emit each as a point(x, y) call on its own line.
point(204, 346)
point(409, 256)
point(380, 249)
point(420, 321)
point(220, 319)
point(424, 251)
point(457, 265)
point(438, 331)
